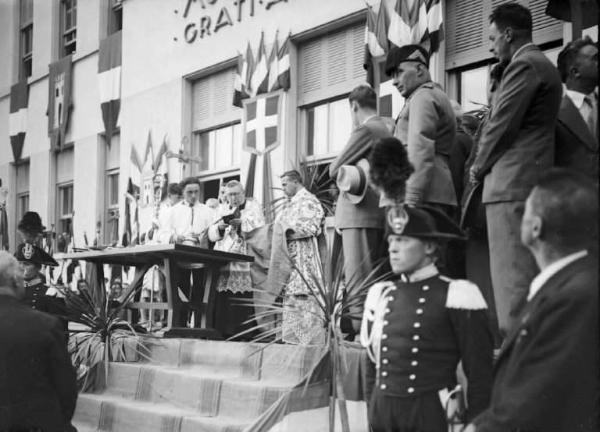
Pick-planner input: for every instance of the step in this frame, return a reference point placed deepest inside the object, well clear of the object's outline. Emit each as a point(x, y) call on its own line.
point(205, 390)
point(111, 413)
point(251, 359)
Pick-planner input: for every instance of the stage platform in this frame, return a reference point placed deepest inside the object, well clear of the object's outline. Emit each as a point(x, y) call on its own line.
point(189, 385)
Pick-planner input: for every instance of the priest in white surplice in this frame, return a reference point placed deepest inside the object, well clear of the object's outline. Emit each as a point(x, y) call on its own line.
point(234, 289)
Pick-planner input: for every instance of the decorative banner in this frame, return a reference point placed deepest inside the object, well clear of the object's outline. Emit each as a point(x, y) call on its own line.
point(17, 120)
point(59, 100)
point(260, 76)
point(261, 126)
point(283, 66)
point(417, 22)
point(109, 81)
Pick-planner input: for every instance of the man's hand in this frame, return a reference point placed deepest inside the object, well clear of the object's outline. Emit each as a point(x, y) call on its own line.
point(179, 238)
point(470, 428)
point(473, 175)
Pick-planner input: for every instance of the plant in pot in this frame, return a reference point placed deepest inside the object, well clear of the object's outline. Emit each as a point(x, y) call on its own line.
point(106, 336)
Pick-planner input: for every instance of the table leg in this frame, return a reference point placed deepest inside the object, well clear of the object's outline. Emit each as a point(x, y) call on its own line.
point(175, 317)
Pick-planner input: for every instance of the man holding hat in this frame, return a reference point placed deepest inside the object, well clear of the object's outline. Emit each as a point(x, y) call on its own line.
point(426, 126)
point(418, 326)
point(31, 258)
point(358, 216)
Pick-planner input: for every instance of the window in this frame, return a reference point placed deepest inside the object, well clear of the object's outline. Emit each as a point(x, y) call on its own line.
point(473, 87)
point(68, 17)
point(65, 213)
point(26, 37)
point(328, 127)
point(111, 192)
point(217, 149)
point(111, 232)
point(115, 16)
point(22, 192)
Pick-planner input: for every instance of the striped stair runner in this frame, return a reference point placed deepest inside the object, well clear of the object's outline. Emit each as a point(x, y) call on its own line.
point(194, 386)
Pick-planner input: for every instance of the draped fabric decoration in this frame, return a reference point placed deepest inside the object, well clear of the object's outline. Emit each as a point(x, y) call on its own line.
point(109, 81)
point(17, 120)
point(3, 219)
point(59, 100)
point(261, 126)
point(376, 43)
point(417, 22)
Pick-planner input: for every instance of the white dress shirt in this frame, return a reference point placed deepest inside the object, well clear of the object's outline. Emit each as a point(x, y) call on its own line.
point(186, 220)
point(551, 270)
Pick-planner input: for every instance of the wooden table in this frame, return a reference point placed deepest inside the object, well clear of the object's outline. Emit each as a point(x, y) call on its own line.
point(172, 258)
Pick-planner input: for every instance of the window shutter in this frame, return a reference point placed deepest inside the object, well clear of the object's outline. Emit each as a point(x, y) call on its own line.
point(331, 65)
point(22, 178)
point(64, 166)
point(468, 29)
point(211, 100)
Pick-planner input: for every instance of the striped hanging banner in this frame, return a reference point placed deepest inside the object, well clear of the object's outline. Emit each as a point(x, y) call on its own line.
point(109, 81)
point(17, 120)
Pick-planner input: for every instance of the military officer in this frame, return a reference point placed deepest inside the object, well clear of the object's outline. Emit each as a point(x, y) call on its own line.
point(418, 326)
point(31, 259)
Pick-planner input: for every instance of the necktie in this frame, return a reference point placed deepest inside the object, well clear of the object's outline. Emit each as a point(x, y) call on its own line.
point(590, 114)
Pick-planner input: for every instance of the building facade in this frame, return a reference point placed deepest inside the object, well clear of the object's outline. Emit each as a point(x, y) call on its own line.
point(177, 75)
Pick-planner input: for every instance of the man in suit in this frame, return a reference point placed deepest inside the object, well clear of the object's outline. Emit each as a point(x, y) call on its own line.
point(515, 148)
point(577, 127)
point(38, 389)
point(426, 126)
point(547, 375)
point(359, 217)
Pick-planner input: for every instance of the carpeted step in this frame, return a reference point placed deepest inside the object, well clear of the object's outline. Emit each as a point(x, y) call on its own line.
point(208, 392)
point(111, 413)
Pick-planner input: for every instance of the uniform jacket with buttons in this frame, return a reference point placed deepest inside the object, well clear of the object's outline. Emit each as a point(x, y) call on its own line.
point(417, 331)
point(427, 127)
point(547, 375)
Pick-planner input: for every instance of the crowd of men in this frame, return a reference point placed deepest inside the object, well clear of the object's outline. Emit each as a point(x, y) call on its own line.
point(487, 230)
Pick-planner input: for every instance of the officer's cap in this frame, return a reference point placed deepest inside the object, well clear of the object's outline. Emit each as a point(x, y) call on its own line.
point(27, 252)
point(422, 222)
point(405, 53)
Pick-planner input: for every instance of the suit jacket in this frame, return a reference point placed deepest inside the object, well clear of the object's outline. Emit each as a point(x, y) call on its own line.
point(576, 147)
point(427, 127)
point(517, 143)
point(367, 213)
point(547, 377)
point(37, 380)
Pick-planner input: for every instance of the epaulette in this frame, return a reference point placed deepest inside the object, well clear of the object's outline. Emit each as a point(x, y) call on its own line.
point(463, 294)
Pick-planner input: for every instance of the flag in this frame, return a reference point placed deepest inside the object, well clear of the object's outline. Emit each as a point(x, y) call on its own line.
point(261, 128)
point(109, 82)
point(149, 152)
point(260, 77)
point(273, 82)
point(135, 159)
point(416, 22)
point(157, 162)
point(250, 65)
point(238, 84)
point(374, 46)
point(283, 65)
point(17, 120)
point(59, 100)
